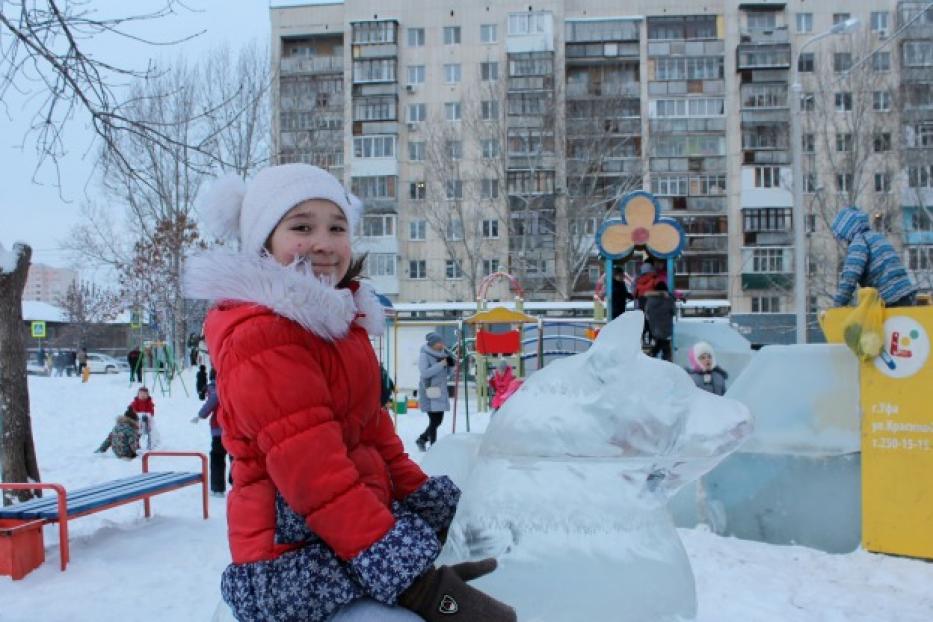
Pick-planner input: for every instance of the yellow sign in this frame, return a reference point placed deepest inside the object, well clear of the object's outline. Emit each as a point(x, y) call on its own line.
point(37, 329)
point(897, 435)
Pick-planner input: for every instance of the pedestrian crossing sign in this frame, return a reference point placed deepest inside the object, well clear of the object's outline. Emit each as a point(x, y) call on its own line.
point(37, 329)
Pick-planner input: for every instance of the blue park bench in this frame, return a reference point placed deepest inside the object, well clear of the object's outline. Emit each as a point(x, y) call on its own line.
point(30, 516)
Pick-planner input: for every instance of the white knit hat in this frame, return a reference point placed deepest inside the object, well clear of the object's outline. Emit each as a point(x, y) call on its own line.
point(232, 209)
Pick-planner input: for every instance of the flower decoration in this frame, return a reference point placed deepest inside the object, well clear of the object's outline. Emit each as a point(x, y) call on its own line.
point(640, 226)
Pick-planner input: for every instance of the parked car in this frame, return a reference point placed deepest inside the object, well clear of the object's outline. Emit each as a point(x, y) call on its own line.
point(105, 364)
point(34, 369)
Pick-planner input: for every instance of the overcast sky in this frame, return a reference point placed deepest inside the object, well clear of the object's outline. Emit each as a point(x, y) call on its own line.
point(32, 209)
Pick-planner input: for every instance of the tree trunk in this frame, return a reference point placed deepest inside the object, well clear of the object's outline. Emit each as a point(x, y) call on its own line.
point(17, 452)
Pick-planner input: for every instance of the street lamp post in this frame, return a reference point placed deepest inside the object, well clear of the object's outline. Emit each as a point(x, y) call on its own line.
point(800, 237)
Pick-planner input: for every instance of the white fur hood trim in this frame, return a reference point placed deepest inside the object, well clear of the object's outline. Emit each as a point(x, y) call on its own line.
point(220, 274)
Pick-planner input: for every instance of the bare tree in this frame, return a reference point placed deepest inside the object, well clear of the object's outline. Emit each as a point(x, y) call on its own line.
point(17, 450)
point(850, 147)
point(85, 304)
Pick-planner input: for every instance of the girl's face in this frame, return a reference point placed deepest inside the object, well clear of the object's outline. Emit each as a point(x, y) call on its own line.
point(315, 231)
point(706, 361)
point(142, 394)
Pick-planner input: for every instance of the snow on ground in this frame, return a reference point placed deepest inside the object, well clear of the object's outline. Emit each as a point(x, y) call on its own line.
point(168, 568)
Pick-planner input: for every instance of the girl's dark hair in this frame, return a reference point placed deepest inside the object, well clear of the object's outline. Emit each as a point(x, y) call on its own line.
point(130, 413)
point(354, 272)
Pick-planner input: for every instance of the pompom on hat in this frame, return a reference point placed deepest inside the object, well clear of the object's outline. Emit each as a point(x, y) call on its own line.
point(248, 212)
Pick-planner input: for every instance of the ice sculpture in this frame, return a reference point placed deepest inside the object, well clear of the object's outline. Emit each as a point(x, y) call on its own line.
point(568, 486)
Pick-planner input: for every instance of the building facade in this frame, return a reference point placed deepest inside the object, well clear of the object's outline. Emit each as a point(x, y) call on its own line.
point(48, 284)
point(496, 136)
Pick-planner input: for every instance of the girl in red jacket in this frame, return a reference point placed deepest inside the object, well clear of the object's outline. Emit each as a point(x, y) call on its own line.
point(144, 408)
point(328, 518)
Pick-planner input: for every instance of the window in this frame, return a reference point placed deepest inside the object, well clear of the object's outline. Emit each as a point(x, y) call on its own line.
point(843, 102)
point(762, 20)
point(530, 23)
point(418, 230)
point(920, 220)
point(488, 33)
point(452, 73)
point(881, 142)
point(374, 146)
point(764, 96)
point(417, 113)
point(688, 68)
point(920, 176)
point(453, 269)
point(453, 189)
point(918, 53)
point(490, 148)
point(670, 185)
point(882, 182)
point(454, 229)
point(374, 70)
point(490, 266)
point(490, 228)
point(920, 258)
point(377, 187)
point(806, 63)
point(489, 188)
point(416, 74)
point(379, 108)
point(809, 183)
point(838, 18)
point(768, 260)
point(380, 264)
point(843, 142)
point(881, 101)
point(767, 219)
point(454, 149)
point(416, 151)
point(766, 304)
point(807, 102)
point(767, 177)
point(417, 269)
point(489, 109)
point(879, 22)
point(451, 35)
point(452, 111)
point(374, 32)
point(682, 27)
point(415, 37)
point(377, 226)
point(417, 190)
point(687, 107)
point(881, 61)
point(844, 182)
point(842, 61)
point(489, 72)
point(920, 135)
point(808, 143)
point(804, 22)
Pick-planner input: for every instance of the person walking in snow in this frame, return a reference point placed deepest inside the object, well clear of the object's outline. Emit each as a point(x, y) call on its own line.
point(144, 408)
point(434, 363)
point(124, 437)
point(659, 312)
point(136, 365)
point(328, 517)
point(200, 382)
point(704, 371)
point(870, 261)
point(218, 453)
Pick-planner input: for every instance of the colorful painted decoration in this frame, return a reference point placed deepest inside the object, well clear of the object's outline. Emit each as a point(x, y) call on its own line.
point(641, 226)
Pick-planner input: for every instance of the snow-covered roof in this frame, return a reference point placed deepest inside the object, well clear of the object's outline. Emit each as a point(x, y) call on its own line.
point(35, 310)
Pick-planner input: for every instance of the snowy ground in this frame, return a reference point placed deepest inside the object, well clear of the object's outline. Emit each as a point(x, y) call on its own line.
point(168, 568)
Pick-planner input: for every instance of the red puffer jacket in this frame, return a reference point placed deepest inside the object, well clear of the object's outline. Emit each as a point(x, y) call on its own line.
point(301, 416)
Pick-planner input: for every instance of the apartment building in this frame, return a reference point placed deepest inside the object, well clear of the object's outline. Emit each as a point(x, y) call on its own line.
point(47, 284)
point(496, 136)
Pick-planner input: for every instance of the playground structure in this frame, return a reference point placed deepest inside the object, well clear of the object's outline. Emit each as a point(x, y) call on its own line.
point(158, 362)
point(641, 228)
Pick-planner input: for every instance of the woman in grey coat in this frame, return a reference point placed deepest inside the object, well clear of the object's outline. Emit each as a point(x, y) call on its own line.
point(433, 364)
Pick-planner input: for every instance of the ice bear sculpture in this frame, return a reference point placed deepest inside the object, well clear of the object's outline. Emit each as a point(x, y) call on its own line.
point(568, 486)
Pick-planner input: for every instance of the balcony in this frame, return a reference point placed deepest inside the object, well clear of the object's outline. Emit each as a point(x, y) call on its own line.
point(707, 244)
point(774, 36)
point(763, 280)
point(601, 52)
point(311, 66)
point(750, 57)
point(584, 90)
point(531, 83)
point(707, 284)
point(765, 116)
